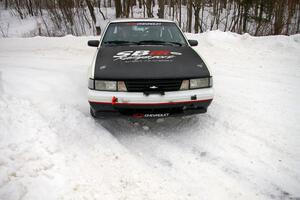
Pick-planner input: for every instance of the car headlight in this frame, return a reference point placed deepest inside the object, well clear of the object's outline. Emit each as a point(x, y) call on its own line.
point(91, 84)
point(122, 86)
point(185, 85)
point(199, 83)
point(106, 85)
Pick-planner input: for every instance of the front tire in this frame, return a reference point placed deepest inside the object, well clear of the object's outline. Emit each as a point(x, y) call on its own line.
point(92, 113)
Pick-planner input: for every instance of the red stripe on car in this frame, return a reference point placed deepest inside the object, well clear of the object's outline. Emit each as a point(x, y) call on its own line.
point(151, 104)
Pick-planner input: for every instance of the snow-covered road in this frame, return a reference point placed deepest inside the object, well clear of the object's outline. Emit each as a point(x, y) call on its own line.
point(246, 147)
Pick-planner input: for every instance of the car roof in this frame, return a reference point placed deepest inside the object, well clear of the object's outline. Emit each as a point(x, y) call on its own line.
point(141, 20)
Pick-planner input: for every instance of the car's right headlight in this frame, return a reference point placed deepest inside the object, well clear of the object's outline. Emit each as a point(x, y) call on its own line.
point(102, 85)
point(106, 85)
point(91, 84)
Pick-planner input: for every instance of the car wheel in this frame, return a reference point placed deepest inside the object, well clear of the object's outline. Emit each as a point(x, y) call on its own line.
point(92, 113)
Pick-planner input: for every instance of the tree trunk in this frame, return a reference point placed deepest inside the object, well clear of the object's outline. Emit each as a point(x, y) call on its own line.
point(179, 7)
point(118, 6)
point(260, 15)
point(279, 14)
point(140, 4)
point(161, 9)
point(189, 8)
point(246, 14)
point(197, 8)
point(149, 8)
point(91, 9)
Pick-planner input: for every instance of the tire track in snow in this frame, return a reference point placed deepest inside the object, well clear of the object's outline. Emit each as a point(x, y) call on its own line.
point(29, 155)
point(158, 142)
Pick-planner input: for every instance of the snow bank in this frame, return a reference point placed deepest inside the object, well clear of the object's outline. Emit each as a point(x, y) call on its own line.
point(246, 147)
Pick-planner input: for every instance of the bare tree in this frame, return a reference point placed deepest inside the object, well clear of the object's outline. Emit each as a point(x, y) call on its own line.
point(161, 9)
point(118, 6)
point(257, 17)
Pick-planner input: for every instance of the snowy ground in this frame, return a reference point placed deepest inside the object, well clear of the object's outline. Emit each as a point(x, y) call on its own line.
point(246, 147)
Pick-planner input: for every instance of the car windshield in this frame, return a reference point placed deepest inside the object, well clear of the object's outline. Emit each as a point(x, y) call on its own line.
point(143, 33)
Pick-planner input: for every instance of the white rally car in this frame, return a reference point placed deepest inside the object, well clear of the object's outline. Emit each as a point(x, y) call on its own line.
point(147, 68)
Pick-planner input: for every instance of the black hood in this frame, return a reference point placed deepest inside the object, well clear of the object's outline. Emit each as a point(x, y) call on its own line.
point(148, 62)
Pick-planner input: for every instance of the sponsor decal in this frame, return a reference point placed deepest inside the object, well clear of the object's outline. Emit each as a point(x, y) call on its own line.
point(146, 56)
point(141, 115)
point(157, 115)
point(143, 24)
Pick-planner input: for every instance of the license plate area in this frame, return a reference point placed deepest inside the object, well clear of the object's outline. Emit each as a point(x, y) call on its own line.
point(151, 113)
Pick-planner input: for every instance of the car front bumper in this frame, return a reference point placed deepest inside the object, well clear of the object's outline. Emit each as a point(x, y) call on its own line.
point(139, 105)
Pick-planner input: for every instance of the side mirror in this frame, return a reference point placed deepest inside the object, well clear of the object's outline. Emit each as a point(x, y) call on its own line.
point(193, 42)
point(93, 43)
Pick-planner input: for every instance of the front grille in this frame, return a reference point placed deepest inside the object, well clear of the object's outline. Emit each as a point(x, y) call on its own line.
point(152, 85)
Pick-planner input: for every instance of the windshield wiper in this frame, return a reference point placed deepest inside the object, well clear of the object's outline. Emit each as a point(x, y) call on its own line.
point(119, 42)
point(158, 42)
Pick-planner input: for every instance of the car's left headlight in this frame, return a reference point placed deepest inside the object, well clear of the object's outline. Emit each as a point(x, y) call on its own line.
point(200, 83)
